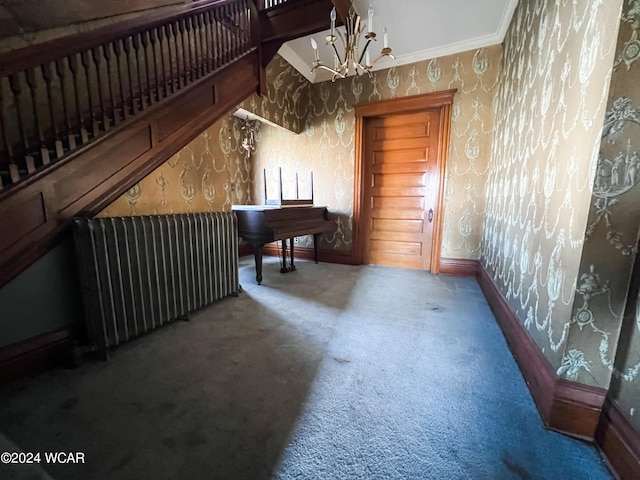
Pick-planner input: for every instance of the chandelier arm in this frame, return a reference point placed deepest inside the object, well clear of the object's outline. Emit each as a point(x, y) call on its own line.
point(342, 39)
point(324, 67)
point(356, 29)
point(381, 56)
point(336, 52)
point(366, 45)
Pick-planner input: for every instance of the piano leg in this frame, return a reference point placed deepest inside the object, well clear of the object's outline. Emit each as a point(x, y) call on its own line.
point(315, 246)
point(257, 254)
point(283, 266)
point(293, 267)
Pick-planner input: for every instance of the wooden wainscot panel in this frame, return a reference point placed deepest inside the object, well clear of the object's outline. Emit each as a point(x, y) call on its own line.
point(189, 106)
point(459, 267)
point(35, 354)
point(619, 441)
point(576, 408)
point(21, 217)
point(244, 70)
point(88, 171)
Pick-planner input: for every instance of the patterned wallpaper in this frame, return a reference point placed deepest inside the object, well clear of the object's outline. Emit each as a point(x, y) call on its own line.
point(211, 173)
point(550, 107)
point(325, 145)
point(611, 241)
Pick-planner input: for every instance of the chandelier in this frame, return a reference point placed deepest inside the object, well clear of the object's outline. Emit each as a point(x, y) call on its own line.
point(352, 57)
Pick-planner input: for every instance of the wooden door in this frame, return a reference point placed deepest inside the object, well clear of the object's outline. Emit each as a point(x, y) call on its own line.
point(400, 163)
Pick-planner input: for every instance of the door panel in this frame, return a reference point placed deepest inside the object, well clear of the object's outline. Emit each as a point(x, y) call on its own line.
point(401, 131)
point(380, 248)
point(399, 163)
point(394, 179)
point(399, 156)
point(399, 225)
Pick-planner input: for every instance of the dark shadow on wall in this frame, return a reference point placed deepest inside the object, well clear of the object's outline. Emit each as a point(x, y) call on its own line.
point(44, 298)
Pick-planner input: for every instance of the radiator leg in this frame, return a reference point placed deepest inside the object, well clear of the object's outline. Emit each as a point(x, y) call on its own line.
point(105, 354)
point(73, 355)
point(185, 318)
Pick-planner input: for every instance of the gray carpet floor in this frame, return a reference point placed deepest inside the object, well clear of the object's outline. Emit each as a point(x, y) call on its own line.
point(329, 372)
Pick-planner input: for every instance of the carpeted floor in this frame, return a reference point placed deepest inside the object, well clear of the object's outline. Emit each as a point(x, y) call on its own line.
point(330, 372)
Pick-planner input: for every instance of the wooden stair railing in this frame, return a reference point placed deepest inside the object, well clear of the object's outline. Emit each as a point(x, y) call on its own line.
point(58, 97)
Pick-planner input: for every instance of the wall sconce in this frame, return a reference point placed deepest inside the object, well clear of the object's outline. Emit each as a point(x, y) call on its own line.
point(249, 130)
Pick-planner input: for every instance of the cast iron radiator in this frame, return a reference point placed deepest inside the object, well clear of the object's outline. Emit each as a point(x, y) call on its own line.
point(138, 273)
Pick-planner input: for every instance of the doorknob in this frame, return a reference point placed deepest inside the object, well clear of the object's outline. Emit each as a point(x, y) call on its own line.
point(430, 215)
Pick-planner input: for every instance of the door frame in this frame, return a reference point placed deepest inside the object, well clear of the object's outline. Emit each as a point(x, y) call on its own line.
point(443, 101)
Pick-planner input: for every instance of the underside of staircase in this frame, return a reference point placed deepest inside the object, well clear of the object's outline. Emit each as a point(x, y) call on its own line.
point(83, 118)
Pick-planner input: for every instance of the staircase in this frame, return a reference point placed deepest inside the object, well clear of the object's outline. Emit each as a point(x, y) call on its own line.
point(83, 118)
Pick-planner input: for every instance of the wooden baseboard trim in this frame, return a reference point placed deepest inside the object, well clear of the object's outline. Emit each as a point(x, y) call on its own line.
point(459, 267)
point(343, 257)
point(567, 407)
point(34, 355)
point(619, 442)
point(244, 249)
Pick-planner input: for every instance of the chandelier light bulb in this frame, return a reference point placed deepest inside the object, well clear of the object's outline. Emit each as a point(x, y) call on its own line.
point(332, 16)
point(314, 45)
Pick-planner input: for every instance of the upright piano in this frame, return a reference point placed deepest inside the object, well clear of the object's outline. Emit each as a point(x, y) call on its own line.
point(261, 224)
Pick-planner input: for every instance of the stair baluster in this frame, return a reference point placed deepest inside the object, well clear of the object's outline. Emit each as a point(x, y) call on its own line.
point(73, 66)
point(48, 74)
point(154, 57)
point(173, 29)
point(16, 88)
point(85, 60)
point(96, 56)
point(135, 42)
point(32, 83)
point(61, 71)
point(144, 48)
point(204, 45)
point(166, 66)
point(106, 51)
point(186, 56)
point(14, 175)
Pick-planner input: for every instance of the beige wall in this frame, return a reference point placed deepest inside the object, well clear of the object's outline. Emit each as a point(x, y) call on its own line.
point(325, 145)
point(550, 107)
